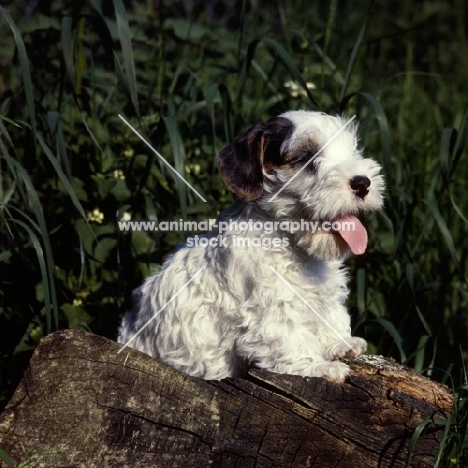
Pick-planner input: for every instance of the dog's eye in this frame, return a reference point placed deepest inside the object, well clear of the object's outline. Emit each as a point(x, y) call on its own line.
point(306, 153)
point(303, 157)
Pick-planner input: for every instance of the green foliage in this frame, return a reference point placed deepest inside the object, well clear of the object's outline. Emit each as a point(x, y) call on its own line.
point(189, 77)
point(4, 456)
point(30, 462)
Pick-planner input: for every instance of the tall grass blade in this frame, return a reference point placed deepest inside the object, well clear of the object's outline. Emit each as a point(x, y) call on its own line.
point(33, 201)
point(181, 67)
point(458, 210)
point(151, 212)
point(462, 139)
point(331, 19)
point(430, 367)
point(290, 65)
point(127, 51)
point(330, 25)
point(444, 154)
point(12, 122)
point(67, 47)
point(53, 119)
point(420, 352)
point(391, 329)
point(63, 178)
point(6, 459)
point(245, 67)
point(352, 61)
point(179, 160)
point(227, 113)
point(326, 60)
point(243, 28)
point(8, 158)
point(91, 133)
point(410, 279)
point(418, 432)
point(99, 25)
point(5, 196)
point(210, 96)
point(25, 72)
point(443, 442)
point(97, 6)
point(45, 276)
point(361, 290)
point(446, 235)
point(384, 131)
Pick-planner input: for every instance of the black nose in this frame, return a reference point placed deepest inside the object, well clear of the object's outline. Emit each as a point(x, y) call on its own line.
point(360, 185)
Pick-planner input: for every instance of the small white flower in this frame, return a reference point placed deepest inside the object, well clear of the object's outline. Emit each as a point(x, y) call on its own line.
point(96, 216)
point(126, 216)
point(296, 90)
point(118, 174)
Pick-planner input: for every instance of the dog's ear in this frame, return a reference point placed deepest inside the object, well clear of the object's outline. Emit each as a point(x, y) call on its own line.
point(241, 163)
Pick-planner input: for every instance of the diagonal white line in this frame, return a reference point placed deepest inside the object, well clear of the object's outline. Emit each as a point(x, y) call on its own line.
point(311, 159)
point(161, 309)
point(160, 157)
point(313, 310)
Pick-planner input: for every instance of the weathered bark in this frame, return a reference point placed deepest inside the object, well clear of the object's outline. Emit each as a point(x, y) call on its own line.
point(80, 404)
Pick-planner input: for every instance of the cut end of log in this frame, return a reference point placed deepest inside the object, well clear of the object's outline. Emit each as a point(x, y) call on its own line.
point(413, 384)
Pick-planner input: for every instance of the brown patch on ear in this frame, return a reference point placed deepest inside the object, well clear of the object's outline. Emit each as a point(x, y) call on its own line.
point(241, 163)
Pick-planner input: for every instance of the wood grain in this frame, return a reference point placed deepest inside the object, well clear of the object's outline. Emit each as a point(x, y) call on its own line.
point(80, 404)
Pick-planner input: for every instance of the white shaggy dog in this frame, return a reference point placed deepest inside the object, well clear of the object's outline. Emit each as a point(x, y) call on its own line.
point(275, 300)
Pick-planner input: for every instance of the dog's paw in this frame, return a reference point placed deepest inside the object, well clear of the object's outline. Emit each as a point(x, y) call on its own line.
point(335, 371)
point(350, 346)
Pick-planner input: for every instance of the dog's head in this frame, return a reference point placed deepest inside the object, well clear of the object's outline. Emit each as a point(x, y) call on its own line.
point(307, 166)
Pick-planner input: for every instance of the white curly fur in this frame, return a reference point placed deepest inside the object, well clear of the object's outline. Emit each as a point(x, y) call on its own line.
point(238, 312)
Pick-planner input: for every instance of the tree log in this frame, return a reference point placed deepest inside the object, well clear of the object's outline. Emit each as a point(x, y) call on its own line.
point(80, 404)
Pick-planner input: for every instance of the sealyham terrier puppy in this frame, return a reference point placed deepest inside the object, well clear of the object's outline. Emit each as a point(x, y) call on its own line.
point(266, 287)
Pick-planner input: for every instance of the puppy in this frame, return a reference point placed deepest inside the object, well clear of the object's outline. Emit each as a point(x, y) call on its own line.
point(276, 300)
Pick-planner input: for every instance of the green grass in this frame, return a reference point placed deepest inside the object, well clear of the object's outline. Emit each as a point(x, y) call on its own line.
point(189, 81)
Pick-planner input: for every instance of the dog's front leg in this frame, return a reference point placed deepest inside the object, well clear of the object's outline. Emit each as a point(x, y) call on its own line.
point(335, 338)
point(287, 348)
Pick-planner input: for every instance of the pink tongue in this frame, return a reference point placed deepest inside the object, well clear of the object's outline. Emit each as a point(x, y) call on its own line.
point(353, 233)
